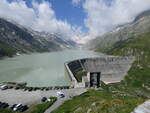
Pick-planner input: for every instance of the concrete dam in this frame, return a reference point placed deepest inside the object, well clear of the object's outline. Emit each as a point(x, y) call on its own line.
point(112, 69)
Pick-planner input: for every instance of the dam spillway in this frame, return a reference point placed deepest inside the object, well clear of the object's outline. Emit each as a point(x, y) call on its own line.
point(112, 68)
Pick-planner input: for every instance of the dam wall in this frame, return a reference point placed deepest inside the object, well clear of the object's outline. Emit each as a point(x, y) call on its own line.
point(73, 80)
point(112, 68)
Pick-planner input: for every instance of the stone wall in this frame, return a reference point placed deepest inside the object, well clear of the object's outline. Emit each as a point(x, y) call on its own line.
point(72, 78)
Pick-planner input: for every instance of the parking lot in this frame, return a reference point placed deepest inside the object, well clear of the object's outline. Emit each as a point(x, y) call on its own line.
point(13, 96)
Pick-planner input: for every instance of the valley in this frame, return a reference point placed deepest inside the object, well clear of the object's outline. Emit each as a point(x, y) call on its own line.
point(16, 39)
point(42, 60)
point(130, 40)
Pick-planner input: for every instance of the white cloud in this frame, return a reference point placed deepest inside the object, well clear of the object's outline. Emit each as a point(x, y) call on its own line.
point(17, 11)
point(82, 39)
point(41, 17)
point(102, 17)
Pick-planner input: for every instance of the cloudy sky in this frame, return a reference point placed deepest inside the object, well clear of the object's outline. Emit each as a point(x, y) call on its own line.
point(79, 20)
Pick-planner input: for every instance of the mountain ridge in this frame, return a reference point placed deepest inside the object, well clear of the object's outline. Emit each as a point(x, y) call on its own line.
point(15, 38)
point(136, 45)
point(127, 31)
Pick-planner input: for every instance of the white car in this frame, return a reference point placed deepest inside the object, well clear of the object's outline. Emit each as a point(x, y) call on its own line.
point(3, 87)
point(16, 107)
point(60, 94)
point(48, 99)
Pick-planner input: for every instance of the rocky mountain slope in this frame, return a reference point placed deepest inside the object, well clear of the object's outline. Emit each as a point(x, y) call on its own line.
point(17, 39)
point(139, 26)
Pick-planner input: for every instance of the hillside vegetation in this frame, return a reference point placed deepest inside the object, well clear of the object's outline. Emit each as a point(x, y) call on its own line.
point(100, 102)
point(139, 74)
point(120, 97)
point(139, 26)
point(6, 51)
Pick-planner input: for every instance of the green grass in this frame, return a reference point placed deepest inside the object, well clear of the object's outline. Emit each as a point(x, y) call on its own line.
point(139, 74)
point(6, 111)
point(6, 51)
point(100, 102)
point(120, 97)
point(40, 108)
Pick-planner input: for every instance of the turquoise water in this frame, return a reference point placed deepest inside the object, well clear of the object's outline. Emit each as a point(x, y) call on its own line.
point(40, 69)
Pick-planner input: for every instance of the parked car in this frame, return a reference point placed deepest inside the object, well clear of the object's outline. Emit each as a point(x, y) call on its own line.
point(10, 87)
point(1, 104)
point(23, 108)
point(44, 99)
point(48, 99)
point(47, 89)
point(60, 94)
point(12, 107)
point(30, 89)
point(25, 89)
point(4, 105)
point(3, 87)
point(17, 107)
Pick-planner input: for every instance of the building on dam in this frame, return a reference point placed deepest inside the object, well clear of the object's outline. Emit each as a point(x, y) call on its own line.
point(89, 72)
point(91, 79)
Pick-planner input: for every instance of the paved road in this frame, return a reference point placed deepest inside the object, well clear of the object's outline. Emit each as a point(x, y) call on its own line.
point(143, 108)
point(71, 93)
point(55, 105)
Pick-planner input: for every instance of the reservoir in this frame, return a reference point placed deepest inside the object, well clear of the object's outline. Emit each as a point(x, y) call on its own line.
point(41, 69)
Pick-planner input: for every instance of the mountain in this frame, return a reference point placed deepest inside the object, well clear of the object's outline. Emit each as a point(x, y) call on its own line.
point(139, 26)
point(15, 38)
point(131, 40)
point(122, 97)
point(143, 14)
point(54, 39)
